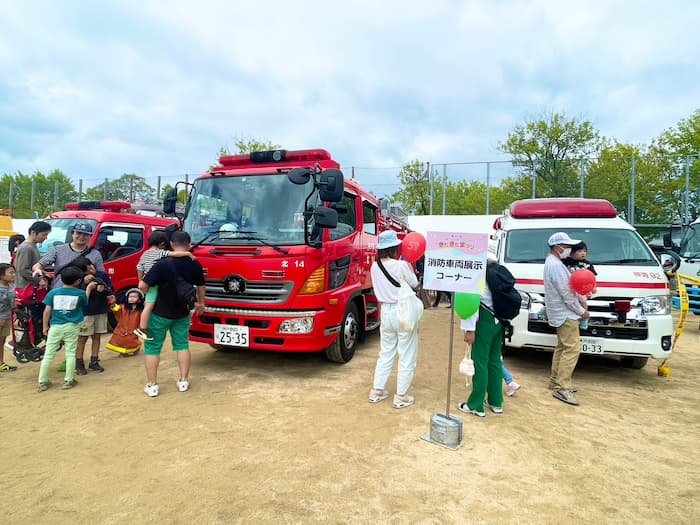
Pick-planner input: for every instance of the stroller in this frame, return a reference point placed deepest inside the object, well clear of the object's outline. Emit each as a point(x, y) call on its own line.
point(27, 321)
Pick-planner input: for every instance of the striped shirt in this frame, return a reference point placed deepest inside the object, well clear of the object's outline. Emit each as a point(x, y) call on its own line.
point(149, 258)
point(560, 301)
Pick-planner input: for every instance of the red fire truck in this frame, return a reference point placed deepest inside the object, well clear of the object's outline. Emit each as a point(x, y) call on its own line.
point(286, 243)
point(120, 233)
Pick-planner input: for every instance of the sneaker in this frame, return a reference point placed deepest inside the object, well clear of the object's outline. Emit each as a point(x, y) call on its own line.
point(4, 367)
point(79, 367)
point(376, 395)
point(69, 384)
point(151, 390)
point(566, 396)
point(95, 366)
point(183, 385)
point(512, 388)
point(463, 407)
point(403, 401)
point(143, 334)
point(44, 386)
point(495, 410)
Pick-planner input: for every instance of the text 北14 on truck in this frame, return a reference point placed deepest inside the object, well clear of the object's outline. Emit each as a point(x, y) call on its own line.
point(286, 243)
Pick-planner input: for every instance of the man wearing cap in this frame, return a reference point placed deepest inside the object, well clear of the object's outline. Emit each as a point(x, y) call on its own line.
point(63, 254)
point(563, 313)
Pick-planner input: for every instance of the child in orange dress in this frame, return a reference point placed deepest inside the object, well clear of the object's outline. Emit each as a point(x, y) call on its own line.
point(124, 341)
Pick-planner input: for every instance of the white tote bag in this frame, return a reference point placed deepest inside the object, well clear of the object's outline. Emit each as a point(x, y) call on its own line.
point(409, 309)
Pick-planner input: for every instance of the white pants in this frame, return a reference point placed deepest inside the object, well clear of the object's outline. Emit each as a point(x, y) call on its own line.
point(392, 341)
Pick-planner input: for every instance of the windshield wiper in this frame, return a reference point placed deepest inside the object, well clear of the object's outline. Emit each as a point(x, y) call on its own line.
point(524, 261)
point(209, 236)
point(624, 261)
point(692, 255)
point(262, 241)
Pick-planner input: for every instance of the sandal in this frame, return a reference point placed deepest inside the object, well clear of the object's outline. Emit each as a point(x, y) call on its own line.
point(376, 395)
point(403, 401)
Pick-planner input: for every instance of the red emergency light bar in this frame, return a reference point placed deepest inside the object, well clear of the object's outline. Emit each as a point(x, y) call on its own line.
point(562, 208)
point(275, 156)
point(98, 205)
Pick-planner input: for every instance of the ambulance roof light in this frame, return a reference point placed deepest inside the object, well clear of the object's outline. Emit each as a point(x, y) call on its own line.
point(99, 205)
point(562, 208)
point(275, 156)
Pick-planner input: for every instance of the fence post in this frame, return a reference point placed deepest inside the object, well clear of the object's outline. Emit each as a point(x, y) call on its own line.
point(581, 176)
point(430, 181)
point(158, 190)
point(632, 189)
point(488, 187)
point(104, 190)
point(80, 190)
point(32, 199)
point(534, 178)
point(12, 198)
point(55, 196)
point(444, 188)
point(686, 210)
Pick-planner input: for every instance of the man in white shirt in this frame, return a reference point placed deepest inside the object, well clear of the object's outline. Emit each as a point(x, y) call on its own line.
point(563, 313)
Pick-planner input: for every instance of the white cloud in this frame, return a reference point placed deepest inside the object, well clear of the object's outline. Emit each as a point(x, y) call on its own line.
point(155, 88)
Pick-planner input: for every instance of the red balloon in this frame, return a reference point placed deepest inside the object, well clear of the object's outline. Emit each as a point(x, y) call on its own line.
point(413, 247)
point(583, 281)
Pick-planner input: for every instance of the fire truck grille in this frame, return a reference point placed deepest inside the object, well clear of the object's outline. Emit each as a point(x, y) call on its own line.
point(256, 292)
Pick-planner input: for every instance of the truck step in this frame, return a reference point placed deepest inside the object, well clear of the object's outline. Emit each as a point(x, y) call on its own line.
point(372, 324)
point(372, 308)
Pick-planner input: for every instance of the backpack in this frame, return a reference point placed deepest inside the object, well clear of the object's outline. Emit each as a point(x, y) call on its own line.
point(185, 292)
point(506, 299)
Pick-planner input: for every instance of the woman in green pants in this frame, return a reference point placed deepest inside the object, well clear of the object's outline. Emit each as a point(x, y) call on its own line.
point(485, 333)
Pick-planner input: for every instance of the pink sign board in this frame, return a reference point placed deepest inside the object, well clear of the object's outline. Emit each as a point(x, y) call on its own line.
point(455, 262)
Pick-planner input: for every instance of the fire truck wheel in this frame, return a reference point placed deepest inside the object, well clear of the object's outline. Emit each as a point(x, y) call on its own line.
point(634, 362)
point(343, 348)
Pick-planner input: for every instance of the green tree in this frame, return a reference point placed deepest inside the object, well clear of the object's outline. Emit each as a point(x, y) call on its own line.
point(415, 194)
point(248, 146)
point(128, 187)
point(44, 188)
point(551, 146)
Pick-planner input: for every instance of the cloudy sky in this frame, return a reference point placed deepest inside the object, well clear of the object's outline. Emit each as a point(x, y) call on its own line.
point(98, 89)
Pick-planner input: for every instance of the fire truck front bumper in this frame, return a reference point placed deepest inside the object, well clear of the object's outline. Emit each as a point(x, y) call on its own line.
point(277, 330)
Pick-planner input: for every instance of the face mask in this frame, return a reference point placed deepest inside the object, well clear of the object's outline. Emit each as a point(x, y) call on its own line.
point(565, 253)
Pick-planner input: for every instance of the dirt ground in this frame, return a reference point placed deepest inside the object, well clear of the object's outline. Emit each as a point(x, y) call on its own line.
point(290, 438)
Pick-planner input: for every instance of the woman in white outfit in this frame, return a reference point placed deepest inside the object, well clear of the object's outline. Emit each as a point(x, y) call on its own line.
point(392, 339)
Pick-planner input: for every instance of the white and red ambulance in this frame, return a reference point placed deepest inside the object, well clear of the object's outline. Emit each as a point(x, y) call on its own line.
point(631, 307)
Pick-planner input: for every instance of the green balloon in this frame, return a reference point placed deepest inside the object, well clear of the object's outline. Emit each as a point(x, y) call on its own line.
point(466, 304)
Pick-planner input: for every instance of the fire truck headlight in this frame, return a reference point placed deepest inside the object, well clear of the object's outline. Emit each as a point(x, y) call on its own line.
point(299, 325)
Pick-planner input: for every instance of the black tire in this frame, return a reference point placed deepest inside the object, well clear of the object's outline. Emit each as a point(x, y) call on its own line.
point(343, 348)
point(634, 362)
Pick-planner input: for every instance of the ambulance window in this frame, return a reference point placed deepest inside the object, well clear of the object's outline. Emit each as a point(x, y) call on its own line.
point(347, 220)
point(369, 217)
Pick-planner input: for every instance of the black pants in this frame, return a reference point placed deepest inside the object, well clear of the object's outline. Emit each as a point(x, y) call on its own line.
point(439, 296)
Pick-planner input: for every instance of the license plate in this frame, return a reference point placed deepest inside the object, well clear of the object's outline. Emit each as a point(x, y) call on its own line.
point(231, 335)
point(591, 346)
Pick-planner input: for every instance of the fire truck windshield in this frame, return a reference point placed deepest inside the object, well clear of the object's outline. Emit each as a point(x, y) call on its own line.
point(242, 210)
point(61, 232)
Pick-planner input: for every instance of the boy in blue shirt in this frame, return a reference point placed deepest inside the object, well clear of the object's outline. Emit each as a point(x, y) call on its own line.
point(62, 318)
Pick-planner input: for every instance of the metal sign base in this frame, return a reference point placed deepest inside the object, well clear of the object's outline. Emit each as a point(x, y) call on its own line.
point(426, 437)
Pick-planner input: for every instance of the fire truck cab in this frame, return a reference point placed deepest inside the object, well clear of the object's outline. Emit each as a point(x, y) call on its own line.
point(120, 233)
point(631, 308)
point(286, 243)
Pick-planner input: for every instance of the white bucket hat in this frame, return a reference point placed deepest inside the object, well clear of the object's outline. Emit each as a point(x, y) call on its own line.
point(561, 238)
point(388, 239)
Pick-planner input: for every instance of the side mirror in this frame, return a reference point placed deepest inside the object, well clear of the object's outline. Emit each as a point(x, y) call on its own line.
point(170, 201)
point(325, 217)
point(299, 175)
point(667, 240)
point(670, 261)
point(330, 185)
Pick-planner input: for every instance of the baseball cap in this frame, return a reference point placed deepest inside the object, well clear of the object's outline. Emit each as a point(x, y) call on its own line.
point(561, 238)
point(388, 239)
point(82, 227)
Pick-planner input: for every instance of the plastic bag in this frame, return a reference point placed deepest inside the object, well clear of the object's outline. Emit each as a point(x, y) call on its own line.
point(409, 309)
